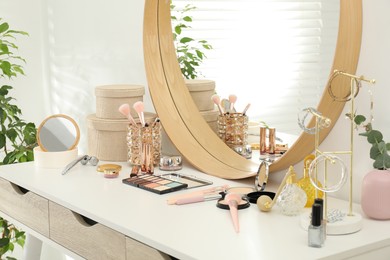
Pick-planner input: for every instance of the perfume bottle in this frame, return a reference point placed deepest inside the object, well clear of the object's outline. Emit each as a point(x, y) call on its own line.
point(292, 198)
point(315, 230)
point(305, 184)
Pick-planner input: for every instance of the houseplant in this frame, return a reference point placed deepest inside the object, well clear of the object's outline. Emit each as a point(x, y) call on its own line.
point(17, 137)
point(190, 52)
point(375, 200)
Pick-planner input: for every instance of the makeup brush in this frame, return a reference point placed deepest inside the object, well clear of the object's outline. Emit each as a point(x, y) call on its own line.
point(233, 199)
point(124, 109)
point(215, 98)
point(139, 107)
point(246, 108)
point(232, 100)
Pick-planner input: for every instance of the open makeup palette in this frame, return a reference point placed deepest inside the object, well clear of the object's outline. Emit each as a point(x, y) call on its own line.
point(165, 183)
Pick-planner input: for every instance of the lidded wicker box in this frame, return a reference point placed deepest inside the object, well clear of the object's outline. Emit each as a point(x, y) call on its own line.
point(201, 91)
point(110, 97)
point(107, 137)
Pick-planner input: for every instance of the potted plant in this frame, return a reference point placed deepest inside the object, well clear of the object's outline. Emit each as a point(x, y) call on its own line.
point(17, 137)
point(190, 52)
point(375, 200)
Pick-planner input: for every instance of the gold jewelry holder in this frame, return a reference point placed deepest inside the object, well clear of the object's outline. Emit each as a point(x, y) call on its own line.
point(343, 223)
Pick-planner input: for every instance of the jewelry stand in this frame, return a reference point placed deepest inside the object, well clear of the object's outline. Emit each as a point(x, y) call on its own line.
point(340, 222)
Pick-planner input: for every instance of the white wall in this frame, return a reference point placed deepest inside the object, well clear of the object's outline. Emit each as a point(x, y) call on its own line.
point(373, 64)
point(30, 90)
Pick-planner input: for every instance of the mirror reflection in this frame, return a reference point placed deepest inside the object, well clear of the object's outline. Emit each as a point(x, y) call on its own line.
point(274, 55)
point(58, 133)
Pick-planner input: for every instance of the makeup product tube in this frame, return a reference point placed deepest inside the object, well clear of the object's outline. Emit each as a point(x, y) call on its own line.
point(315, 228)
point(272, 141)
point(263, 145)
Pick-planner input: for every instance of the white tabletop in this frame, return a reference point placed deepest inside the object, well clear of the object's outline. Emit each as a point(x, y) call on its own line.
point(192, 231)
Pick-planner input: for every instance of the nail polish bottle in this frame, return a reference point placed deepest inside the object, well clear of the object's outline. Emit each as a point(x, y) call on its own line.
point(315, 228)
point(323, 220)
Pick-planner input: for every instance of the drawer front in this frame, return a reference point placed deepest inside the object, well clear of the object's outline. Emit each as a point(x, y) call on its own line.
point(138, 251)
point(25, 206)
point(86, 238)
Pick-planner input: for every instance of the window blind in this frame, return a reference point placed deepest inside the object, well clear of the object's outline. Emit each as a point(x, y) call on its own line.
point(274, 54)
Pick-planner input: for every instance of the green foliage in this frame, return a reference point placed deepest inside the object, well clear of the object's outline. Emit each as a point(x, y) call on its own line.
point(379, 148)
point(190, 52)
point(9, 236)
point(17, 137)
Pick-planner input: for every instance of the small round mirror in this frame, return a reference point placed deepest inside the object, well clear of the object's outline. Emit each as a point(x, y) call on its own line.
point(58, 133)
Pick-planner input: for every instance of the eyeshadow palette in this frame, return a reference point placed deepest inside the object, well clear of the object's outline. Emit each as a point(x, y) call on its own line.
point(156, 184)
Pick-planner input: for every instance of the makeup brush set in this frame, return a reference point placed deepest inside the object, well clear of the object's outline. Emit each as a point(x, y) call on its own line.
point(233, 125)
point(108, 128)
point(143, 139)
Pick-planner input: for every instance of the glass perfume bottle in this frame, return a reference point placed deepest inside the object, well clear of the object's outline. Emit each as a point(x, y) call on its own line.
point(315, 230)
point(292, 198)
point(305, 184)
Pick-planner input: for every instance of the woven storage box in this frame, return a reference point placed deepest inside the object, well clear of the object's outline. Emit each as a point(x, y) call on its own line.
point(201, 92)
point(107, 137)
point(211, 118)
point(110, 97)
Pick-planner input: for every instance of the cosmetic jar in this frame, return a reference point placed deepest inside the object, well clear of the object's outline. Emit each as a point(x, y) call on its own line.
point(170, 163)
point(111, 173)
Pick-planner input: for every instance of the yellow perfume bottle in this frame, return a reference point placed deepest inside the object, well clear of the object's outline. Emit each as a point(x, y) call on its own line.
point(306, 185)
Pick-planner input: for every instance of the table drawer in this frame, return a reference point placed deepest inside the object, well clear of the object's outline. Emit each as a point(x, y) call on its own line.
point(83, 236)
point(138, 251)
point(25, 206)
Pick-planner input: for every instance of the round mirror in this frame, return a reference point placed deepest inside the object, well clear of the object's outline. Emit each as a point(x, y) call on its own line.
point(58, 133)
point(187, 128)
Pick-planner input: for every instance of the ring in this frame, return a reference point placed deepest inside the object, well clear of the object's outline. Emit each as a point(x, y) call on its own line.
point(327, 158)
point(348, 97)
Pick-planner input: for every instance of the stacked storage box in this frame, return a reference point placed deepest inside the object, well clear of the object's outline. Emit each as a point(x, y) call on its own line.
point(107, 129)
point(201, 92)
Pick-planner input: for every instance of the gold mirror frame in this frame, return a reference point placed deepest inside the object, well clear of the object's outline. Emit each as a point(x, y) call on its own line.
point(181, 119)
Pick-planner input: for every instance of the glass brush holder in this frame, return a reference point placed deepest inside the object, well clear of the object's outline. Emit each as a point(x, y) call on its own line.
point(144, 145)
point(233, 130)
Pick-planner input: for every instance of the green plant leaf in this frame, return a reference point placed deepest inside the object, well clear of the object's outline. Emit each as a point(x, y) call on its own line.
point(4, 27)
point(359, 119)
point(374, 136)
point(187, 19)
point(186, 40)
point(374, 151)
point(382, 161)
point(2, 140)
point(12, 134)
point(4, 241)
point(6, 68)
point(178, 29)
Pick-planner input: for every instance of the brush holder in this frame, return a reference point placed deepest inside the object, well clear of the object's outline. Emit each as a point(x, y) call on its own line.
point(144, 145)
point(233, 130)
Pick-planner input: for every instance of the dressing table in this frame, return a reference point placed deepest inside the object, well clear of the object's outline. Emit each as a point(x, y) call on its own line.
point(124, 222)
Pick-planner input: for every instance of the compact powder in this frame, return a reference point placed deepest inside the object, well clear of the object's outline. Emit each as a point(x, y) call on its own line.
point(240, 190)
point(156, 184)
point(244, 203)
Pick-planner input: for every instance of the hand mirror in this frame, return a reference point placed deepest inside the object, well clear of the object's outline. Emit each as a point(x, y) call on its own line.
point(58, 133)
